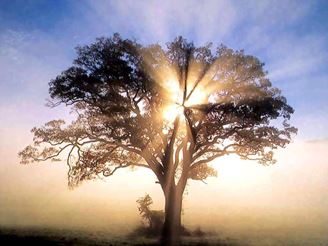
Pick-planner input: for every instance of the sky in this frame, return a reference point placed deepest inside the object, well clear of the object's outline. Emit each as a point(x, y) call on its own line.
point(37, 41)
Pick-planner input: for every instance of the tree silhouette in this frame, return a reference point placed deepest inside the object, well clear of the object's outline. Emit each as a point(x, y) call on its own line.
point(153, 218)
point(170, 109)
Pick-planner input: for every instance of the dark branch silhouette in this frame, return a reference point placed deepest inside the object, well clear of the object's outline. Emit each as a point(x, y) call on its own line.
point(120, 90)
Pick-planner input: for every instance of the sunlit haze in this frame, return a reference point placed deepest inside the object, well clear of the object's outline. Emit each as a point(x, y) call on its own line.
point(281, 204)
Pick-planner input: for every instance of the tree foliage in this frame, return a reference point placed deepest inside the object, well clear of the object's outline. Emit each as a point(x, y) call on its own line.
point(119, 89)
point(153, 218)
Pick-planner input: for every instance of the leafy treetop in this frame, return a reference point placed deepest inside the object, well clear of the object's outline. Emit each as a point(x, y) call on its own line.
point(221, 100)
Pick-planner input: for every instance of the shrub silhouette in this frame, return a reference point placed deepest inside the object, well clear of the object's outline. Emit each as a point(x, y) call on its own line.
point(154, 219)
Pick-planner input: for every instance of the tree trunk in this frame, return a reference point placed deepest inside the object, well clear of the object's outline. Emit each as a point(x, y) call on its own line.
point(171, 231)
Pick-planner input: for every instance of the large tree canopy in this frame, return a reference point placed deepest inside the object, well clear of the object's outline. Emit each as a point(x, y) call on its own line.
point(171, 109)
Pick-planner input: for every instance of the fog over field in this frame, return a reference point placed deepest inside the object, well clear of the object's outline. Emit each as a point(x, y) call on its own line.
point(281, 204)
point(248, 202)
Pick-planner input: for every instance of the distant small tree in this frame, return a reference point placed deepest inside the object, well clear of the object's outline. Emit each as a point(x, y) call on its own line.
point(154, 218)
point(171, 110)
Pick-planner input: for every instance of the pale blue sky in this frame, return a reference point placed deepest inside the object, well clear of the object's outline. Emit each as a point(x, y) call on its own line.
point(37, 40)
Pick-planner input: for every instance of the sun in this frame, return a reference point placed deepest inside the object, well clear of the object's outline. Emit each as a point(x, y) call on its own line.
point(198, 96)
point(175, 102)
point(172, 111)
point(174, 91)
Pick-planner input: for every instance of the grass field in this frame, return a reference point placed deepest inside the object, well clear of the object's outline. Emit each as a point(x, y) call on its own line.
point(42, 236)
point(50, 236)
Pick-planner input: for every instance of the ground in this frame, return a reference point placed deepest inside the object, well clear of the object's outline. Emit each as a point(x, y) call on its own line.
point(47, 236)
point(42, 236)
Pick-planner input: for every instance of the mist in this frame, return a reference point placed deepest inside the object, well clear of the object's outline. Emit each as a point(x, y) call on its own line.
point(281, 204)
point(286, 202)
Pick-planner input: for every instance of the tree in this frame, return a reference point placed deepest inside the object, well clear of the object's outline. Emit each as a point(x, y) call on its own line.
point(170, 109)
point(153, 218)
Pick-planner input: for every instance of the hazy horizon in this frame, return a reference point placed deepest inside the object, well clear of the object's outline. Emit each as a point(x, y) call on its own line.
point(288, 200)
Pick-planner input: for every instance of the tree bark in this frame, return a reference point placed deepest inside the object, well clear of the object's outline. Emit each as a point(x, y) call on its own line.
point(171, 231)
point(173, 196)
